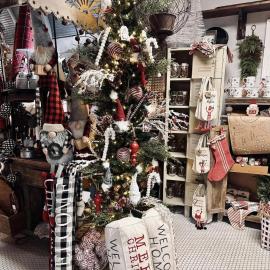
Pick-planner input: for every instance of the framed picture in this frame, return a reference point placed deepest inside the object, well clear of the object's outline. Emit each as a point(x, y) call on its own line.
point(210, 36)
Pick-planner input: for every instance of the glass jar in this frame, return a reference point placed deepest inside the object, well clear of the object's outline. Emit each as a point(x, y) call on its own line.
point(180, 98)
point(172, 170)
point(184, 70)
point(173, 98)
point(175, 70)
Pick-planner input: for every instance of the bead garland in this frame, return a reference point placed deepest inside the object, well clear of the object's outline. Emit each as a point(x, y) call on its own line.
point(102, 46)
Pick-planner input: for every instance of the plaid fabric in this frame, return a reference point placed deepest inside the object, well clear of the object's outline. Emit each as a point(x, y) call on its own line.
point(54, 112)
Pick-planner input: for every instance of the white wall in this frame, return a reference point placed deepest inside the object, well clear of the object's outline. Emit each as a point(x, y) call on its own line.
point(230, 25)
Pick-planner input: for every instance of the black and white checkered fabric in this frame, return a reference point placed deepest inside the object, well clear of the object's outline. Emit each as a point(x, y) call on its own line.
point(38, 110)
point(5, 110)
point(65, 220)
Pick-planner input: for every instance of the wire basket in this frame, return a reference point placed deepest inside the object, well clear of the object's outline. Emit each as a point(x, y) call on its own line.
point(265, 232)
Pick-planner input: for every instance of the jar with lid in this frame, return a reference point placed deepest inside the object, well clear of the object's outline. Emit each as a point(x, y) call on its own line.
point(184, 70)
point(175, 70)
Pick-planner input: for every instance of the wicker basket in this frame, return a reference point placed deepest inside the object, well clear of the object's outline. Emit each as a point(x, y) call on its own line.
point(265, 232)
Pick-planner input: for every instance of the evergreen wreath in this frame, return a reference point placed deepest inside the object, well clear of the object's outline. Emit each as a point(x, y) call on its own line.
point(250, 53)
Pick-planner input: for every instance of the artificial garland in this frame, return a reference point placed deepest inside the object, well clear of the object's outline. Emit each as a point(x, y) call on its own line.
point(250, 53)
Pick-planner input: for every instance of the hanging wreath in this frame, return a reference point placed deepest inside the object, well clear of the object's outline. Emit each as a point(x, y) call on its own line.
point(250, 53)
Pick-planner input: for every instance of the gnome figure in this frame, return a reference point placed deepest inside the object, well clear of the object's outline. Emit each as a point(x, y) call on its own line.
point(44, 59)
point(55, 139)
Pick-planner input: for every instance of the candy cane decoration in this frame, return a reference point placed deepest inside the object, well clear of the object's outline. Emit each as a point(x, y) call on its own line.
point(102, 46)
point(150, 43)
point(109, 133)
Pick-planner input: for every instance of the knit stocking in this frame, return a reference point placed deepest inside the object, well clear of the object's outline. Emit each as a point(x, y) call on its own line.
point(237, 217)
point(222, 156)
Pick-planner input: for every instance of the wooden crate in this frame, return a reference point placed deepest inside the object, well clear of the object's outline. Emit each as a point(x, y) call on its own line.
point(12, 225)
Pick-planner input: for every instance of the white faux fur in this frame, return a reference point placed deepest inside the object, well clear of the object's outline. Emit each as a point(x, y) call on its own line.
point(43, 55)
point(122, 125)
point(53, 127)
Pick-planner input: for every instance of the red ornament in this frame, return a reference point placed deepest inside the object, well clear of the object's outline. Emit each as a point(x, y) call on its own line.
point(98, 201)
point(134, 148)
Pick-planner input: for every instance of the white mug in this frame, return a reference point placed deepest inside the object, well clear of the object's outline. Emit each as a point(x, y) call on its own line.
point(235, 81)
point(250, 81)
point(252, 92)
point(266, 91)
point(236, 92)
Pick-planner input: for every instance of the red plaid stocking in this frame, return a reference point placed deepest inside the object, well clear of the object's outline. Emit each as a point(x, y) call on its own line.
point(222, 156)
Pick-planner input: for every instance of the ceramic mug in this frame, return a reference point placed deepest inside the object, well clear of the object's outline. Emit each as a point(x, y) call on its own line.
point(235, 81)
point(236, 92)
point(267, 91)
point(252, 92)
point(267, 80)
point(250, 81)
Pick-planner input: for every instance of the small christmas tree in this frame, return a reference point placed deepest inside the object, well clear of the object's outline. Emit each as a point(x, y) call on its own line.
point(127, 150)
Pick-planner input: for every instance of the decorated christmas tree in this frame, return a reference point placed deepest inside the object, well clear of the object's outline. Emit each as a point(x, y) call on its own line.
point(127, 128)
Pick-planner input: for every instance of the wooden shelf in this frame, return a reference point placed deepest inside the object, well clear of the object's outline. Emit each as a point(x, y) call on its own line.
point(247, 101)
point(175, 178)
point(178, 106)
point(251, 7)
point(247, 169)
point(180, 79)
point(174, 201)
point(178, 154)
point(20, 95)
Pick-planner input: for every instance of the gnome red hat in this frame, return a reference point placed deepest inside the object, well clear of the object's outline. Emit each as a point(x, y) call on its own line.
point(23, 38)
point(54, 114)
point(120, 117)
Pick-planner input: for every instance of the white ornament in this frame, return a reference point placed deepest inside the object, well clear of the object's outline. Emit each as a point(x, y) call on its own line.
point(143, 35)
point(106, 4)
point(109, 133)
point(124, 34)
point(134, 192)
point(149, 43)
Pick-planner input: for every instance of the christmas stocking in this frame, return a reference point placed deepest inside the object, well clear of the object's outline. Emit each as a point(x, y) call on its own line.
point(222, 156)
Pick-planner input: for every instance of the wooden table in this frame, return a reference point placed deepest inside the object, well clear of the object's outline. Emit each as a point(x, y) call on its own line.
point(32, 186)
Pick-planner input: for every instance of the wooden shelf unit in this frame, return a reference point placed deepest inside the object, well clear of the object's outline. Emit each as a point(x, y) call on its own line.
point(199, 66)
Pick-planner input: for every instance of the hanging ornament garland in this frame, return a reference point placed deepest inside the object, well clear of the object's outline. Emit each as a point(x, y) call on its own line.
point(250, 53)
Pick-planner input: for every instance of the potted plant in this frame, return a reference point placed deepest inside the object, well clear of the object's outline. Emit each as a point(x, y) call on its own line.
point(263, 191)
point(160, 18)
